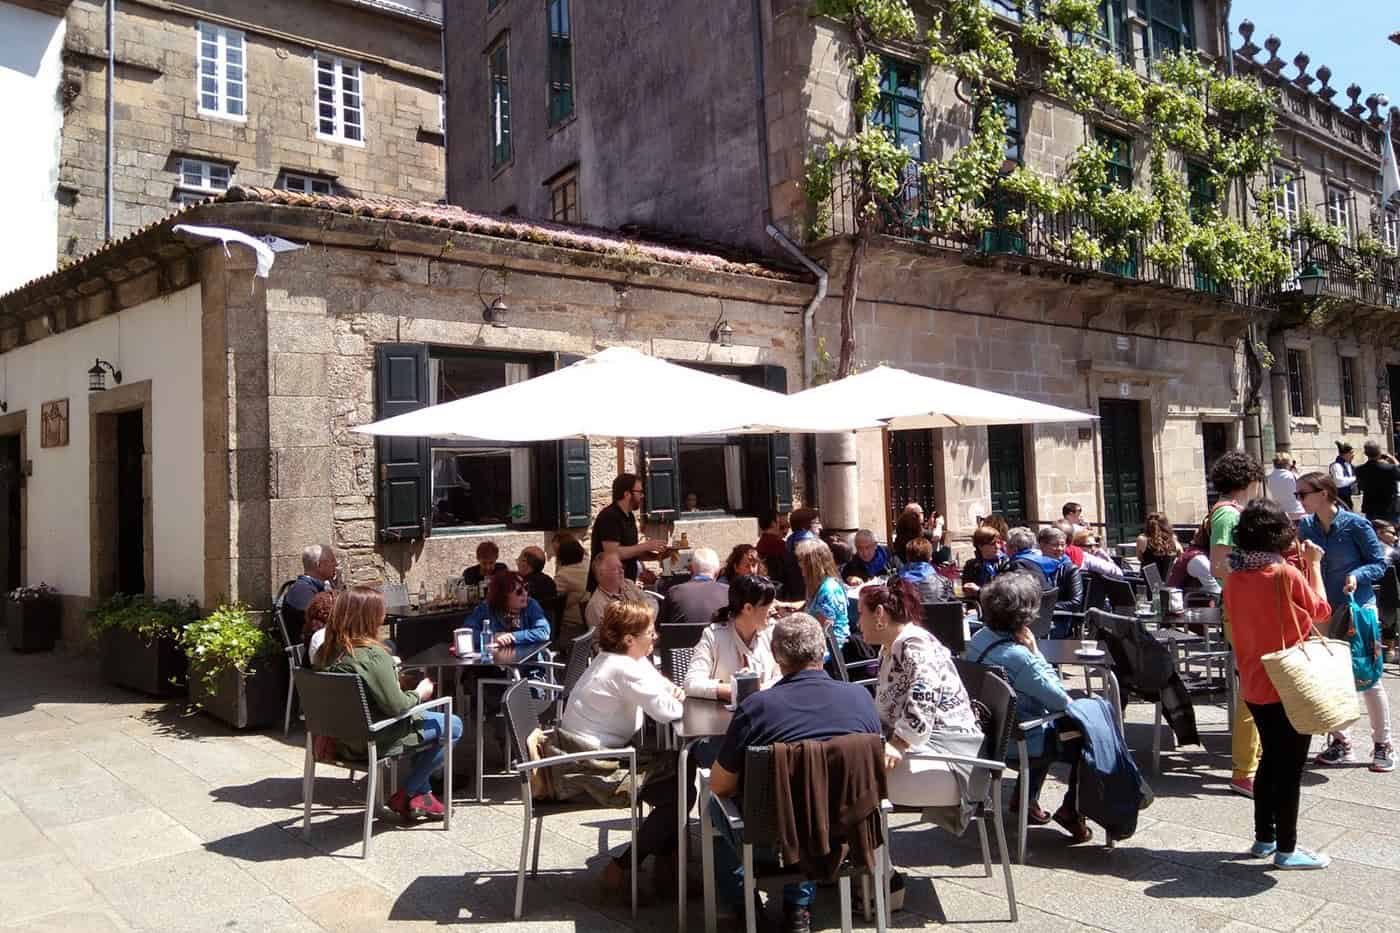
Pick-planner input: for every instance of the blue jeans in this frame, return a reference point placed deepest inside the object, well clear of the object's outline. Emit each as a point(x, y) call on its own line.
point(430, 758)
point(729, 867)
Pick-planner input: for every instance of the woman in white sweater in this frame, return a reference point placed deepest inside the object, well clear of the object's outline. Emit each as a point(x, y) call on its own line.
point(605, 710)
point(738, 641)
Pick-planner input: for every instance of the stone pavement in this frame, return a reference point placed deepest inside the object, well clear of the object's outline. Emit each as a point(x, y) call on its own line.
point(119, 813)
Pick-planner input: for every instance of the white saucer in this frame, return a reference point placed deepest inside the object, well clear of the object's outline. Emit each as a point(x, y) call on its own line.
point(1092, 653)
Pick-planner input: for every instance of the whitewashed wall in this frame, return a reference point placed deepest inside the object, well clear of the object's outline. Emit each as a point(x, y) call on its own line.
point(31, 66)
point(159, 341)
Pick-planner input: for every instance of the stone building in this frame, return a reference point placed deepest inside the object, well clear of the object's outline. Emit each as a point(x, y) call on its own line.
point(220, 444)
point(320, 96)
point(1157, 353)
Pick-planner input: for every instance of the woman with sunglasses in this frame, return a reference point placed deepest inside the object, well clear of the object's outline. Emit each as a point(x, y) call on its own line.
point(1352, 562)
point(515, 618)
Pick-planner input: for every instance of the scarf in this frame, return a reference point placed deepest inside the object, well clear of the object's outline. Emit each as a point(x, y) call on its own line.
point(1252, 560)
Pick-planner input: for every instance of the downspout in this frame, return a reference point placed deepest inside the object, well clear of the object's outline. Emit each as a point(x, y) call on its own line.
point(809, 347)
point(111, 114)
point(760, 85)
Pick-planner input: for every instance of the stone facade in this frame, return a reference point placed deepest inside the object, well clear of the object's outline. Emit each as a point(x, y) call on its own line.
point(158, 119)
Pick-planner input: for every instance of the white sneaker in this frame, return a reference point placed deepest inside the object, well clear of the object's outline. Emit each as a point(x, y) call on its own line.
point(1383, 759)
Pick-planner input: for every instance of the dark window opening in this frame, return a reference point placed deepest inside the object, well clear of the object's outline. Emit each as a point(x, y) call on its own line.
point(499, 105)
point(900, 111)
point(1351, 398)
point(561, 61)
point(1120, 158)
point(1297, 383)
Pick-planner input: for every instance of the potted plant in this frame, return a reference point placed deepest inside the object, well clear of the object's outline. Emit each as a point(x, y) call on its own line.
point(136, 638)
point(237, 671)
point(31, 618)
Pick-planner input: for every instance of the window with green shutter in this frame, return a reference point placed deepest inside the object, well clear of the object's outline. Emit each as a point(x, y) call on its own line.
point(1112, 34)
point(900, 111)
point(561, 61)
point(498, 63)
point(1169, 26)
point(1120, 158)
point(1000, 238)
point(1200, 189)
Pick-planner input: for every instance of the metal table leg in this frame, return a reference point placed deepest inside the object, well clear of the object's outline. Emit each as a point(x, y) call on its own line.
point(683, 826)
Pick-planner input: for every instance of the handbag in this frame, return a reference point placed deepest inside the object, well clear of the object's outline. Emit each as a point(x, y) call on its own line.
point(1313, 677)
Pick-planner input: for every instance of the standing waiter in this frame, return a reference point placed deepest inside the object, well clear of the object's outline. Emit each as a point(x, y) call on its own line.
point(615, 529)
point(1343, 474)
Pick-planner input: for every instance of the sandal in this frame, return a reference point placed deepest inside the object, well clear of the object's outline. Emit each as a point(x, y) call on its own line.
point(1074, 824)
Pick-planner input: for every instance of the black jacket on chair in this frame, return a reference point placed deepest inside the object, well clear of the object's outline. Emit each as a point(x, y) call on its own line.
point(1066, 581)
point(1144, 669)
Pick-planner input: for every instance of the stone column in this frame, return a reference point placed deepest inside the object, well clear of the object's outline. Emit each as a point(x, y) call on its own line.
point(1278, 382)
point(839, 480)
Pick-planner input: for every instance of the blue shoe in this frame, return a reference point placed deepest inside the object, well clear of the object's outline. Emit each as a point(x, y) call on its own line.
point(1301, 859)
point(1263, 849)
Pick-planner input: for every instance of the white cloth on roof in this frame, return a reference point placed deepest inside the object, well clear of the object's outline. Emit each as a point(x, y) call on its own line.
point(265, 254)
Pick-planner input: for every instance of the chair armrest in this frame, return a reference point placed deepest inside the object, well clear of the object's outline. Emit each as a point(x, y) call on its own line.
point(554, 665)
point(384, 723)
point(1042, 721)
point(628, 753)
point(729, 806)
point(985, 763)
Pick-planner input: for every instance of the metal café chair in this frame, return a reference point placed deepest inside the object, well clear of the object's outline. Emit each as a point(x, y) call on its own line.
point(841, 668)
point(983, 790)
point(1046, 622)
point(335, 706)
point(295, 651)
point(945, 622)
point(1152, 577)
point(522, 706)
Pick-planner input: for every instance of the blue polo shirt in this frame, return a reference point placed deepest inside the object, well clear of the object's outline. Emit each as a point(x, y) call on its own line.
point(804, 705)
point(1350, 547)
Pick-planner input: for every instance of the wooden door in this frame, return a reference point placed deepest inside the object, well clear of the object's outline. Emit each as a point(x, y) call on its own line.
point(1006, 461)
point(1120, 431)
point(911, 470)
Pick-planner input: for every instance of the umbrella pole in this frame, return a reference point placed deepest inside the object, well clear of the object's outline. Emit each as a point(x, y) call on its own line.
point(621, 456)
point(889, 505)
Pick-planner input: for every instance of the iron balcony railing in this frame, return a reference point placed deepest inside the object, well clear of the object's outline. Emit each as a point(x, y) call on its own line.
point(1350, 274)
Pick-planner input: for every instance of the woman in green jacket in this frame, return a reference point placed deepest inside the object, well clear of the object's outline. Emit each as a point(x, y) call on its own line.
point(352, 646)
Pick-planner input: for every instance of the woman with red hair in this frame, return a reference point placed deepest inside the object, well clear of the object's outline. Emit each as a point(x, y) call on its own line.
point(515, 618)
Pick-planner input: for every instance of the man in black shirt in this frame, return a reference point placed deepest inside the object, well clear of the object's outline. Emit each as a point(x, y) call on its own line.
point(615, 529)
point(319, 568)
point(1375, 480)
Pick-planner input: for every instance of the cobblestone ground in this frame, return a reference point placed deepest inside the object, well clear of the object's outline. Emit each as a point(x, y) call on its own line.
point(119, 813)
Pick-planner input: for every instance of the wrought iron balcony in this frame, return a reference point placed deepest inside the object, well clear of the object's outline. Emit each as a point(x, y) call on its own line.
point(1351, 275)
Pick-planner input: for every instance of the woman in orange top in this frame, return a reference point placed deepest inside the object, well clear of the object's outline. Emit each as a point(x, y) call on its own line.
point(1272, 605)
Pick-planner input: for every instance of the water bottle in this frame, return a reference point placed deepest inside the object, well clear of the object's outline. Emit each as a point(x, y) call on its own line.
point(422, 596)
point(487, 636)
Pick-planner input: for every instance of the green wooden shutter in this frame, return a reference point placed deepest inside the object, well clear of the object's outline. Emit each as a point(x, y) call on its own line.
point(574, 469)
point(768, 456)
point(405, 463)
point(661, 478)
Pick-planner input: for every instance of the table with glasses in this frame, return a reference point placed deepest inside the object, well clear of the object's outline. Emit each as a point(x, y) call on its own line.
point(702, 719)
point(417, 629)
point(508, 660)
point(1064, 652)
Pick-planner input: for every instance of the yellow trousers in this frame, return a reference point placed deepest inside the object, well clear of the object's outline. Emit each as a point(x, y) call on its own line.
point(1244, 737)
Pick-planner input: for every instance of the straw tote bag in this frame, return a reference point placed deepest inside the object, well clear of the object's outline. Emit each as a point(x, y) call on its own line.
point(1313, 677)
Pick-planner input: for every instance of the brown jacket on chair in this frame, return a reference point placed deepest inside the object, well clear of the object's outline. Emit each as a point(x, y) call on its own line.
point(827, 799)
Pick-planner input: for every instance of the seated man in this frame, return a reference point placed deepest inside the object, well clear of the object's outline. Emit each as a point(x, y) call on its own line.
point(613, 585)
point(871, 559)
point(805, 704)
point(530, 566)
point(699, 598)
point(318, 569)
point(487, 565)
point(1054, 570)
point(933, 587)
point(771, 546)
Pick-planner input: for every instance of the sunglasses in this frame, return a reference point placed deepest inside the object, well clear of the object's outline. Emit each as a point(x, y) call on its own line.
point(1306, 492)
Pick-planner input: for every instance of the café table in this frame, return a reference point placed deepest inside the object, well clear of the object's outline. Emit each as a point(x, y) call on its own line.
point(701, 719)
point(416, 629)
point(509, 659)
point(1064, 653)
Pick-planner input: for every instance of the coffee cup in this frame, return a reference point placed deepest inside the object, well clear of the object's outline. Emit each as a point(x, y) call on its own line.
point(1088, 646)
point(742, 685)
point(462, 640)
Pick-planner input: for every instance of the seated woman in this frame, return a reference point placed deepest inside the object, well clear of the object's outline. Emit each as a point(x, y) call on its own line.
point(744, 561)
point(1095, 558)
point(1010, 606)
point(826, 597)
point(1157, 544)
point(923, 704)
point(988, 561)
point(515, 618)
point(351, 646)
point(318, 615)
point(931, 585)
point(605, 710)
point(738, 641)
point(571, 581)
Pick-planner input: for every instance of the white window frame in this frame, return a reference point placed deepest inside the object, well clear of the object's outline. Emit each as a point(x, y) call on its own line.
point(1390, 228)
point(305, 184)
point(208, 185)
point(340, 69)
point(224, 40)
point(1339, 209)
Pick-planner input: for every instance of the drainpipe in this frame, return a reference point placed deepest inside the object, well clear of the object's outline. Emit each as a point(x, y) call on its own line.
point(760, 86)
point(809, 348)
point(111, 113)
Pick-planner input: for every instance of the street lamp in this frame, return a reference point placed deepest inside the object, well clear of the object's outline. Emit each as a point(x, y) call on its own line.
point(1311, 279)
point(97, 379)
point(497, 314)
point(723, 334)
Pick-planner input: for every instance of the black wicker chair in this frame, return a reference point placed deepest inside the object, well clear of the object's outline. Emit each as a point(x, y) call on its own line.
point(295, 651)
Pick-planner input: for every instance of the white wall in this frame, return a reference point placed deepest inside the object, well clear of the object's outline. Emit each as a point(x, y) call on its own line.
point(159, 341)
point(31, 67)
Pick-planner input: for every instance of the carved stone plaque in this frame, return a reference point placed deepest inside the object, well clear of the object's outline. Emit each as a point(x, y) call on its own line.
point(53, 424)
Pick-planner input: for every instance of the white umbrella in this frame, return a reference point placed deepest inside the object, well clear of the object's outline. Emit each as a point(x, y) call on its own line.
point(618, 392)
point(905, 400)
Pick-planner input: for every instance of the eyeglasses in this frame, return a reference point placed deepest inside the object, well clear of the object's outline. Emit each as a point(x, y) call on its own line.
point(636, 492)
point(1305, 492)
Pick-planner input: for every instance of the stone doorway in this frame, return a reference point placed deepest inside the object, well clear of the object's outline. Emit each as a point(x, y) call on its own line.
point(121, 490)
point(11, 513)
point(1124, 486)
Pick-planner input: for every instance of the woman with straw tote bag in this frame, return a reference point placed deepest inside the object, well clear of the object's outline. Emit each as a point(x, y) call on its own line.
point(1272, 606)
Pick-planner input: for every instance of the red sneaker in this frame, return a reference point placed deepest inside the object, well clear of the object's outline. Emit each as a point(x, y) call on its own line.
point(399, 804)
point(427, 806)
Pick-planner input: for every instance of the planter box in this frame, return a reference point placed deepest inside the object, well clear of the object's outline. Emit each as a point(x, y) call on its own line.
point(248, 701)
point(32, 624)
point(156, 668)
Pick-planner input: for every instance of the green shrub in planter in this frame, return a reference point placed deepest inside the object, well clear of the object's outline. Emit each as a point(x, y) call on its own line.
point(31, 618)
point(238, 672)
point(137, 641)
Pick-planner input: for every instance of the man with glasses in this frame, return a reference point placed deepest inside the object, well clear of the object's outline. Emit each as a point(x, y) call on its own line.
point(615, 529)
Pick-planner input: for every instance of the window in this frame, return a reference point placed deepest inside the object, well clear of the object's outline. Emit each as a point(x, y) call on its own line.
point(1286, 196)
point(1011, 9)
point(306, 184)
point(221, 72)
point(200, 179)
point(1010, 109)
point(900, 110)
point(339, 111)
point(1169, 26)
point(1113, 31)
point(1351, 397)
point(1339, 211)
point(563, 197)
point(498, 64)
point(561, 62)
point(1200, 189)
point(1120, 158)
point(1299, 398)
point(1390, 229)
